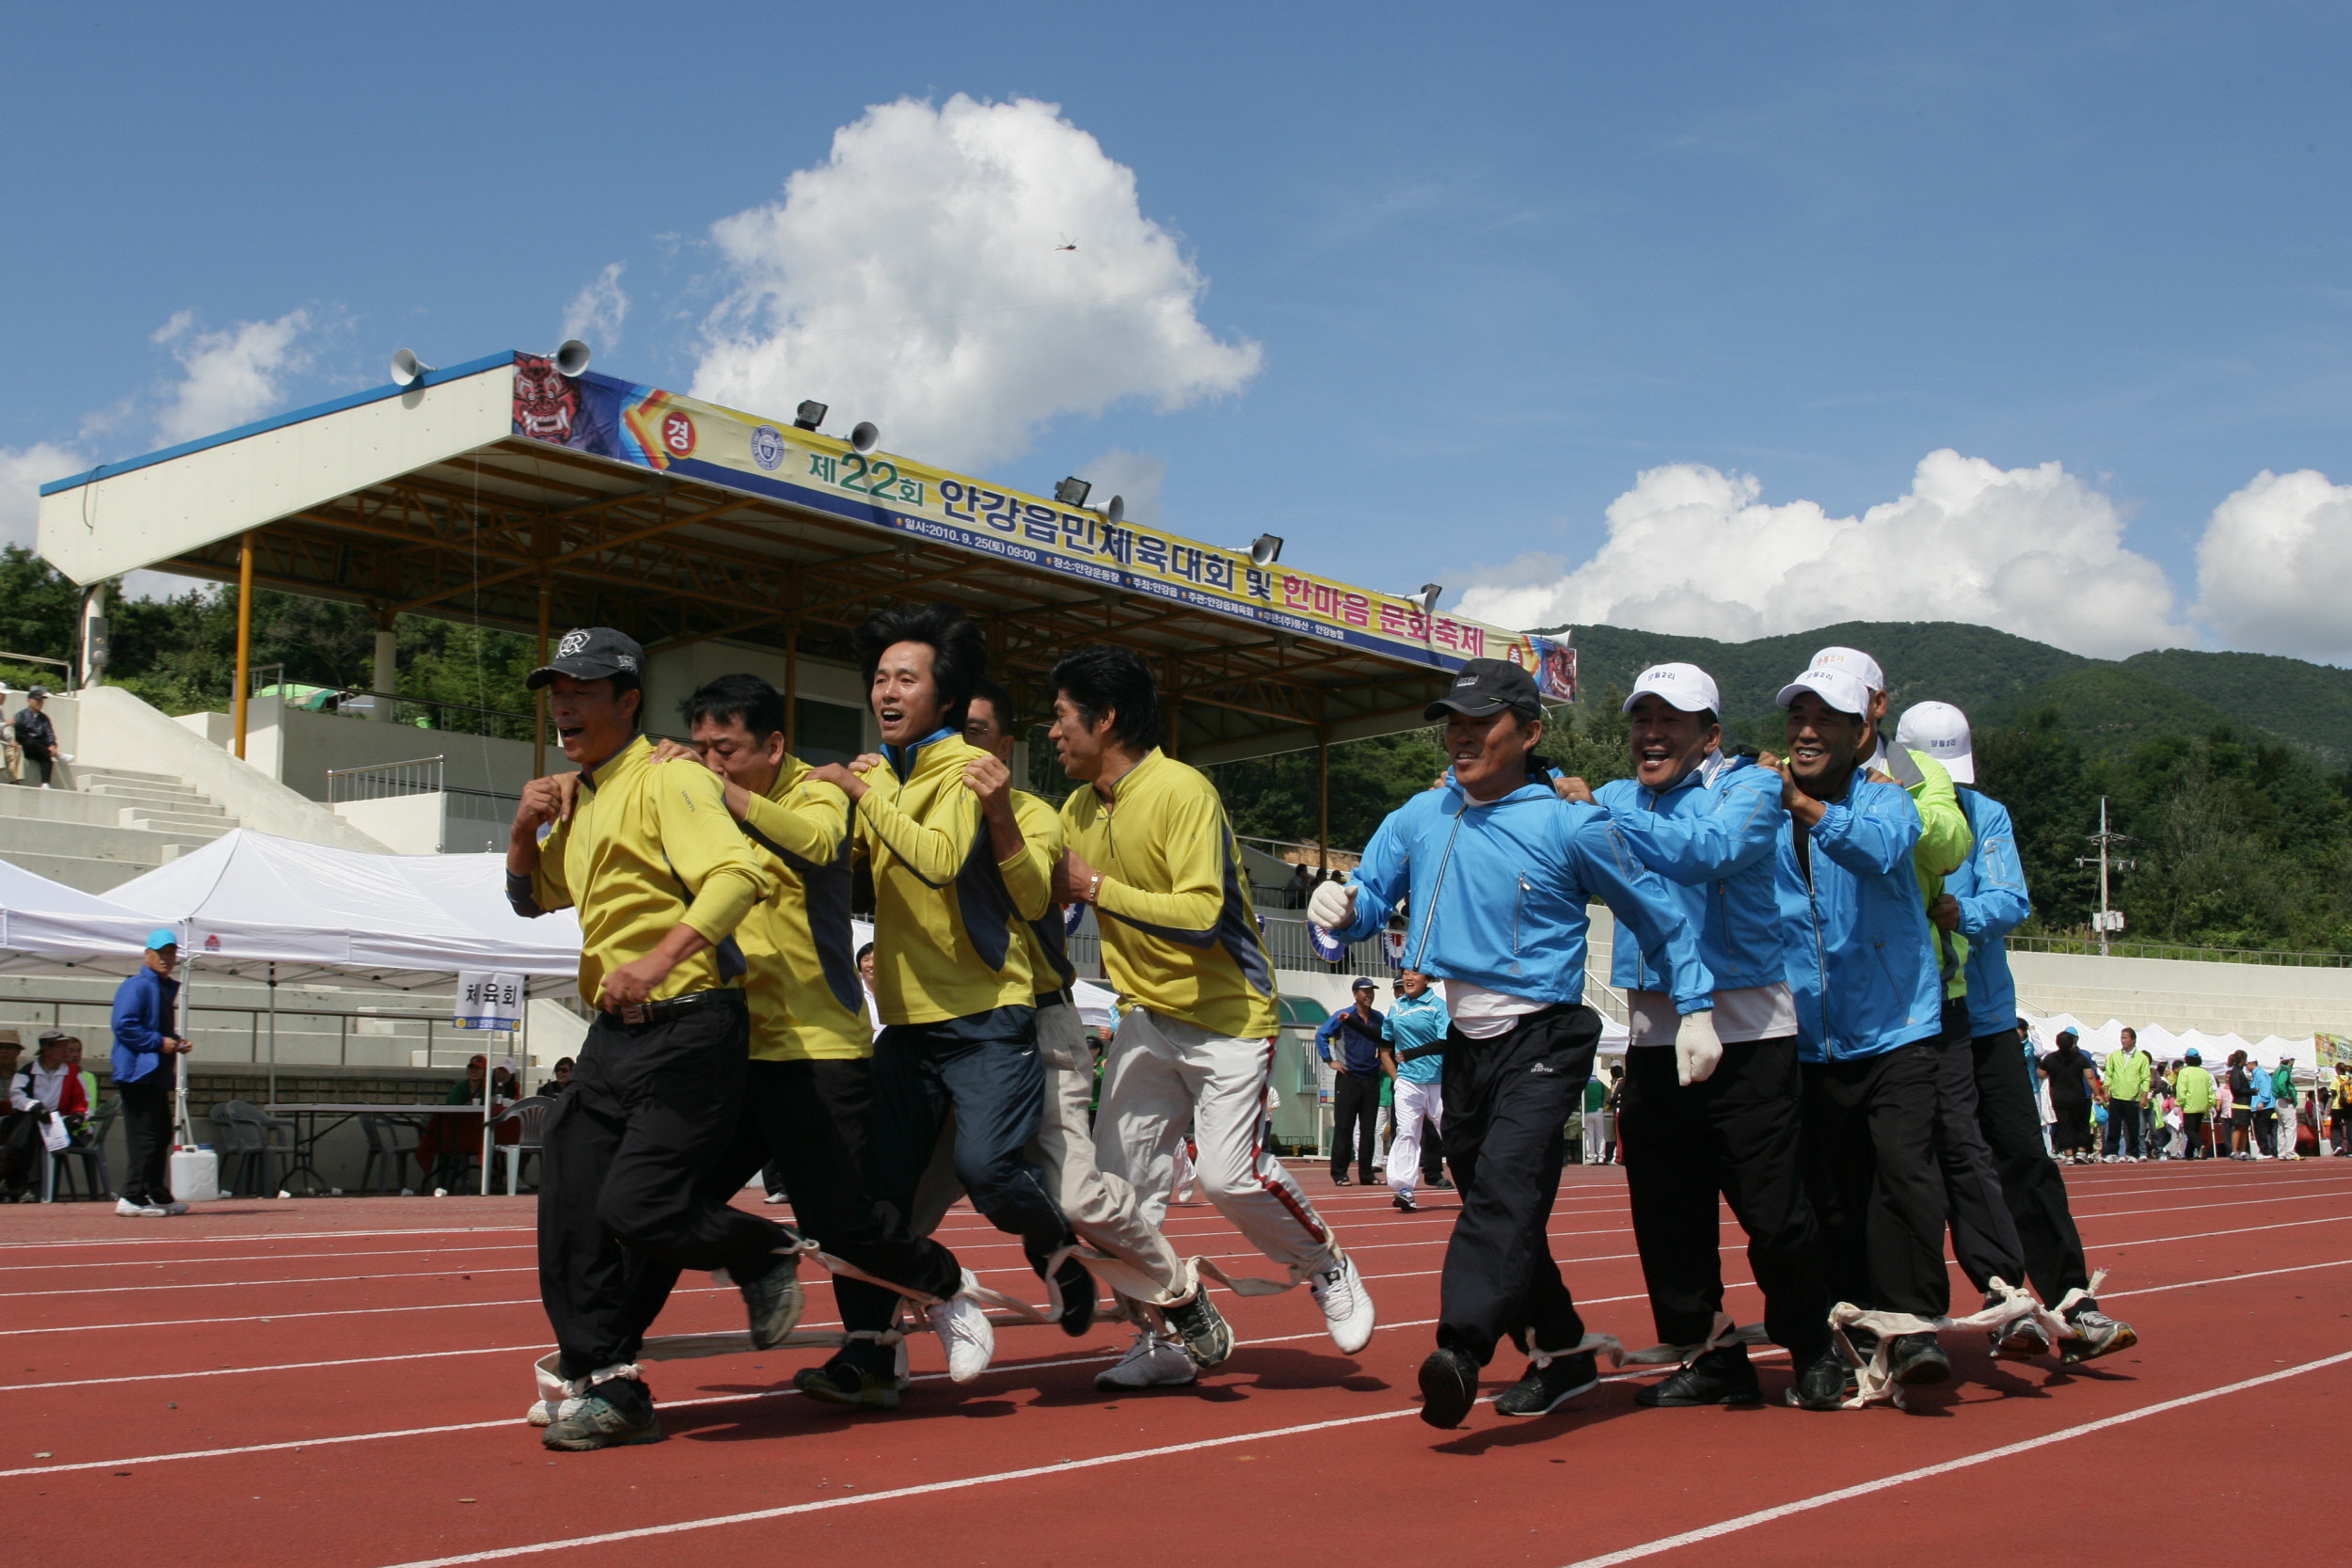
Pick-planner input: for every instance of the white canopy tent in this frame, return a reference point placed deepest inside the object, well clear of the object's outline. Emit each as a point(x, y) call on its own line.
point(49, 929)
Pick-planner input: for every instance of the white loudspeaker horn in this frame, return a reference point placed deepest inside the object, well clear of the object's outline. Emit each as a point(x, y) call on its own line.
point(865, 437)
point(572, 357)
point(407, 369)
point(1117, 510)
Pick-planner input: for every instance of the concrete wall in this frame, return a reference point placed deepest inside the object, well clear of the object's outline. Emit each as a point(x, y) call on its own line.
point(115, 729)
point(298, 748)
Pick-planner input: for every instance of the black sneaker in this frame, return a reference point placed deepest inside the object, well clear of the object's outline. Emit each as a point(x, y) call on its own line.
point(2099, 1335)
point(1546, 1388)
point(1438, 1184)
point(1915, 1361)
point(615, 1414)
point(772, 1302)
point(1822, 1383)
point(1341, 1181)
point(1449, 1387)
point(1078, 1298)
point(846, 1382)
point(1201, 1327)
point(1721, 1376)
point(1404, 1202)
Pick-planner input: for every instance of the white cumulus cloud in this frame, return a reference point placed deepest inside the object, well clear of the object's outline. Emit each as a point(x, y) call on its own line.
point(1693, 550)
point(918, 279)
point(1134, 476)
point(22, 471)
point(230, 377)
point(2274, 569)
point(595, 313)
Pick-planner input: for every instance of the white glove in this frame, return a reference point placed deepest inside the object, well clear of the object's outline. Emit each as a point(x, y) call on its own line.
point(1697, 1052)
point(1332, 904)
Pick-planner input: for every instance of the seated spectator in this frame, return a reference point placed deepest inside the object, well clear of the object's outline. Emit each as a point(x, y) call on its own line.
point(50, 1085)
point(448, 1142)
point(1294, 892)
point(563, 1075)
point(36, 737)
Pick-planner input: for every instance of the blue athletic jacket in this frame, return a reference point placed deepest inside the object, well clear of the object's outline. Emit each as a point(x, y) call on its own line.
point(1861, 960)
point(1710, 835)
point(1991, 888)
point(1497, 895)
point(142, 1022)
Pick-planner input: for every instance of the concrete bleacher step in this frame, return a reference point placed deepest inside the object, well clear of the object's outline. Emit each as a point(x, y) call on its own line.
point(149, 795)
point(179, 824)
point(132, 775)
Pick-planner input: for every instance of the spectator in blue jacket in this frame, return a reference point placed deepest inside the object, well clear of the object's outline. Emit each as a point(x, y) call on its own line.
point(145, 1059)
point(1699, 1134)
point(1499, 870)
point(1985, 900)
point(1869, 1009)
point(1349, 1042)
point(1412, 1052)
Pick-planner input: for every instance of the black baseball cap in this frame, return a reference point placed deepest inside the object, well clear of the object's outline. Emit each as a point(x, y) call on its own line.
point(1363, 985)
point(590, 653)
point(1488, 685)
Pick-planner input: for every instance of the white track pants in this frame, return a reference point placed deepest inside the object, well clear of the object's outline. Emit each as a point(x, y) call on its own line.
point(1413, 1101)
point(1161, 1075)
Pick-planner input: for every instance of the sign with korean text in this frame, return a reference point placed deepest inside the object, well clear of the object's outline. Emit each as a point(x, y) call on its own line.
point(661, 430)
point(489, 999)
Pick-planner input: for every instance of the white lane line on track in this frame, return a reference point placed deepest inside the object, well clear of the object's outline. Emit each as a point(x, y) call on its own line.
point(1925, 1472)
point(932, 1377)
point(1630, 1554)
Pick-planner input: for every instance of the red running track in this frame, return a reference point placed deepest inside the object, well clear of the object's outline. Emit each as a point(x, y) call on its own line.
point(343, 1382)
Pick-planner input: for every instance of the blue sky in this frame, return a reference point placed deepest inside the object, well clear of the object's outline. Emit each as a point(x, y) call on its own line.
point(1497, 261)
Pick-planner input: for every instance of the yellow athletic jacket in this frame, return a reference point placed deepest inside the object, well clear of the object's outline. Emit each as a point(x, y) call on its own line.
point(947, 917)
point(646, 848)
point(807, 1001)
point(1044, 939)
point(1179, 933)
point(1944, 843)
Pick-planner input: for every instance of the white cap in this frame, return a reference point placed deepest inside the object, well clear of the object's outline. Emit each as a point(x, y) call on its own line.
point(1940, 729)
point(1861, 665)
point(1686, 685)
point(1835, 687)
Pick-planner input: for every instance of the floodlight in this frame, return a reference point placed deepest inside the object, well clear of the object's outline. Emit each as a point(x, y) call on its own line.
point(809, 415)
point(1072, 491)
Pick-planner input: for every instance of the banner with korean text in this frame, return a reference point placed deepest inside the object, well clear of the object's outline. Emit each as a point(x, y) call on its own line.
point(666, 431)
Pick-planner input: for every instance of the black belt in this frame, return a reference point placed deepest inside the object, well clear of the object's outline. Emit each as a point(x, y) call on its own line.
point(1414, 1053)
point(1052, 999)
point(668, 1007)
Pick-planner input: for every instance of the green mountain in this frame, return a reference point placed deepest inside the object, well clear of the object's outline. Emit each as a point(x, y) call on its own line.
point(2105, 707)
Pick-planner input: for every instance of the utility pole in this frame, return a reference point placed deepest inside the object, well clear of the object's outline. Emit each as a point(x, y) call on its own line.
point(2108, 921)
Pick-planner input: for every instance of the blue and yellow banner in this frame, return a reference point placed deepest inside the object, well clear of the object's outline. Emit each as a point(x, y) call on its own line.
point(664, 431)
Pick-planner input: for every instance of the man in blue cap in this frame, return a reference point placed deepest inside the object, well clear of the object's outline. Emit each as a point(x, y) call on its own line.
point(146, 1048)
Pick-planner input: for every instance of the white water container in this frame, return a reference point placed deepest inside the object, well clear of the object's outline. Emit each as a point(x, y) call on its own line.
point(195, 1175)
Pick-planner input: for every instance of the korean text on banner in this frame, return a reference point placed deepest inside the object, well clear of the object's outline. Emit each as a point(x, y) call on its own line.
point(488, 999)
point(664, 431)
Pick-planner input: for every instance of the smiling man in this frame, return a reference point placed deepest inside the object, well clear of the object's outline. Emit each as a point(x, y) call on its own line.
point(1499, 871)
point(1699, 1131)
point(1870, 1011)
point(661, 878)
point(955, 884)
point(1151, 851)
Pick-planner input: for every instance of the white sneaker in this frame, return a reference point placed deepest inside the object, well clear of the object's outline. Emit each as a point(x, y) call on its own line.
point(1154, 1361)
point(131, 1210)
point(775, 1198)
point(963, 1328)
point(175, 1207)
point(1346, 1306)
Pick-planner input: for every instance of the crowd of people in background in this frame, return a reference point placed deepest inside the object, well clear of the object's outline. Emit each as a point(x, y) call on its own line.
point(2129, 1107)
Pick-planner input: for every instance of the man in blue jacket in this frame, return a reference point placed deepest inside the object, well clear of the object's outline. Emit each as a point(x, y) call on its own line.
point(146, 1052)
point(1498, 871)
point(1983, 901)
point(1869, 1009)
point(1697, 1132)
point(1349, 1042)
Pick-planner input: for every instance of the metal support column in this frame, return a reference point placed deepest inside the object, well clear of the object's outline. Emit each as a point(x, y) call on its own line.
point(539, 698)
point(245, 637)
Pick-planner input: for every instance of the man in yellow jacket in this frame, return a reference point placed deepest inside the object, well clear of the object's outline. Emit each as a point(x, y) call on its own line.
point(952, 971)
point(2193, 1091)
point(662, 879)
point(1151, 851)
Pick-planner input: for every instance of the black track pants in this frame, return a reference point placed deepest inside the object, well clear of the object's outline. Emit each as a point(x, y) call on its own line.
point(1984, 1237)
point(1356, 1119)
point(1506, 1100)
point(1873, 1178)
point(2011, 1117)
point(1734, 1134)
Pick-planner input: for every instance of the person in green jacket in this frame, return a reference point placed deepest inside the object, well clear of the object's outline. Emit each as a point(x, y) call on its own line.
point(2283, 1087)
point(2192, 1088)
point(2126, 1072)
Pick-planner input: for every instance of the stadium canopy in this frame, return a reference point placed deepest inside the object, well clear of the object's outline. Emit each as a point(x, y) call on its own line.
point(504, 493)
